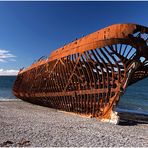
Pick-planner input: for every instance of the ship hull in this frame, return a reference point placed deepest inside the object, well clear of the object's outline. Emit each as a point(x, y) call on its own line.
point(89, 75)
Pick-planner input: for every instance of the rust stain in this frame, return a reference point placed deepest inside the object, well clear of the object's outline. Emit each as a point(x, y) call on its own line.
point(89, 75)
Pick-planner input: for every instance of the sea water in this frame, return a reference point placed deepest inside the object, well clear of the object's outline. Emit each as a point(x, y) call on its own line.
point(6, 84)
point(135, 98)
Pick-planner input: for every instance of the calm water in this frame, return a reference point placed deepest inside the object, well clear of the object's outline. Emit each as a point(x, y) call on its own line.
point(134, 100)
point(6, 84)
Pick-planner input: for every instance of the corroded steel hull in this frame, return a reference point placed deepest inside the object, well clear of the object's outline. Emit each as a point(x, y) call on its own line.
point(89, 75)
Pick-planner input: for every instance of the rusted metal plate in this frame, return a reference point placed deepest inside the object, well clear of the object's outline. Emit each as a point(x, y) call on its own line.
point(88, 75)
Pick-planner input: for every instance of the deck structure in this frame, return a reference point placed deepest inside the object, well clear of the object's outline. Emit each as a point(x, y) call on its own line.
point(88, 75)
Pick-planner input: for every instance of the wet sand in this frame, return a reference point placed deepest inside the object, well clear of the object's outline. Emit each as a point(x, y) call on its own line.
point(25, 124)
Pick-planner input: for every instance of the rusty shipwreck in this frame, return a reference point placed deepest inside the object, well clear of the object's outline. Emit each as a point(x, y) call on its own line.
point(88, 75)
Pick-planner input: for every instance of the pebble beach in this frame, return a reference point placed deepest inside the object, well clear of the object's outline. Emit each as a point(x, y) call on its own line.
point(28, 125)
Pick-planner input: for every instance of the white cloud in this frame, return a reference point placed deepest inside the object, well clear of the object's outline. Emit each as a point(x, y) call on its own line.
point(1, 60)
point(5, 56)
point(8, 72)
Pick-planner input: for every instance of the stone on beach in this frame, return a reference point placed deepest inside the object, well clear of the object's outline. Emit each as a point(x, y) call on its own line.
point(25, 124)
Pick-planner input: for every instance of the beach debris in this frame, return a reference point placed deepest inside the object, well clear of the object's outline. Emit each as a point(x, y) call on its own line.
point(9, 143)
point(6, 143)
point(89, 75)
point(23, 142)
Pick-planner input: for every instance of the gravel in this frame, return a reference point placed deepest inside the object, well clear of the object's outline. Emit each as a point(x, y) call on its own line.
point(25, 124)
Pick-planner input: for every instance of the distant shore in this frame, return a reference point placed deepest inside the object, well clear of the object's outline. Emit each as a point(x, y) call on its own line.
point(25, 124)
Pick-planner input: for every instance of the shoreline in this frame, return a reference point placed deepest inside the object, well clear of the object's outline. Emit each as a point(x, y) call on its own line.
point(25, 124)
point(125, 114)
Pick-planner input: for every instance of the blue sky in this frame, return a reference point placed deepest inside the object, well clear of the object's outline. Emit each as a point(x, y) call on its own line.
point(29, 30)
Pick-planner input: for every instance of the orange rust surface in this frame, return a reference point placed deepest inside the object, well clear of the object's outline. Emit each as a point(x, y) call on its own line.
point(88, 75)
point(89, 42)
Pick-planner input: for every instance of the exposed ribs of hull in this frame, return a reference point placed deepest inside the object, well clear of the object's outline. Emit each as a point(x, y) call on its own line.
point(88, 75)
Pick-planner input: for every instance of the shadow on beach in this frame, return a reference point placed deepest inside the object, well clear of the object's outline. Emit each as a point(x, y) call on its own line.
point(131, 119)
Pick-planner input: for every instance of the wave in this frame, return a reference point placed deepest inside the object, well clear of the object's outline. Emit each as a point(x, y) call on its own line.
point(9, 99)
